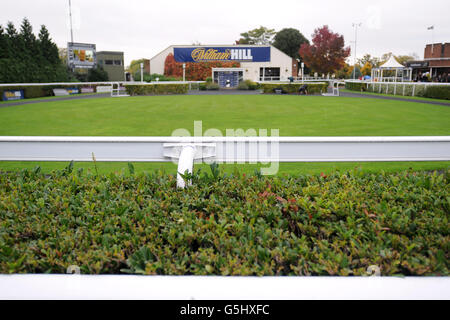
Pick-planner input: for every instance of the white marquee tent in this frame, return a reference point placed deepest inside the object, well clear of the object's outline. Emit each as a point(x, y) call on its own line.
point(392, 64)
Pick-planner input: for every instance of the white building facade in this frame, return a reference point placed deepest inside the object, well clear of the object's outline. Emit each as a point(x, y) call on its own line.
point(257, 62)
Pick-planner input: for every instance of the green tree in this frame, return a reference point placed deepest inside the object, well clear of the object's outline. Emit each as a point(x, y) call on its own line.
point(49, 50)
point(373, 61)
point(289, 41)
point(97, 75)
point(261, 35)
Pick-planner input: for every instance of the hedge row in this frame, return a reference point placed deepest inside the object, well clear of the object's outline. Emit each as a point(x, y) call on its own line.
point(156, 89)
point(293, 88)
point(438, 92)
point(31, 92)
point(225, 225)
point(421, 90)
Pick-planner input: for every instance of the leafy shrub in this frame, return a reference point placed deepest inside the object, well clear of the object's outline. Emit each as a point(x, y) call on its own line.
point(212, 86)
point(242, 86)
point(247, 85)
point(293, 88)
point(355, 86)
point(225, 225)
point(156, 89)
point(40, 91)
point(209, 80)
point(437, 92)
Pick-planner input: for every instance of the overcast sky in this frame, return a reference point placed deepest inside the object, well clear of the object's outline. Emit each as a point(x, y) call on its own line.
point(141, 29)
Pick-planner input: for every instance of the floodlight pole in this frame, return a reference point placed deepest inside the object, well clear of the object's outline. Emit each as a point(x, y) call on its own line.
point(355, 25)
point(70, 15)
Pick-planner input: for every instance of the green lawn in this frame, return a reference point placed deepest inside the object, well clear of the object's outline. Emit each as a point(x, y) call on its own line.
point(292, 115)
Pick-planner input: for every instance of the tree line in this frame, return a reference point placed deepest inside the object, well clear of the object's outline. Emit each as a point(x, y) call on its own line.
point(27, 58)
point(326, 54)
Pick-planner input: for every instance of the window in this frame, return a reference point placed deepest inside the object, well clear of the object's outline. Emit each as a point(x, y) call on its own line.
point(270, 74)
point(108, 62)
point(117, 62)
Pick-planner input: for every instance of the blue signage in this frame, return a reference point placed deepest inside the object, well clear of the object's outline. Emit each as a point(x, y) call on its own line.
point(229, 54)
point(10, 95)
point(73, 90)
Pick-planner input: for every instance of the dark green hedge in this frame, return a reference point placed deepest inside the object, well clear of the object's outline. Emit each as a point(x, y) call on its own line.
point(437, 92)
point(225, 225)
point(294, 87)
point(356, 86)
point(44, 91)
point(156, 89)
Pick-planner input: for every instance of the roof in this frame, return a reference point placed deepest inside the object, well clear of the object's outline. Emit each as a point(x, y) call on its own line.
point(392, 63)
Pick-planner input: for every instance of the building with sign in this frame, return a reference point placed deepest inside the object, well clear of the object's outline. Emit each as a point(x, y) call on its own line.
point(256, 62)
point(113, 63)
point(436, 63)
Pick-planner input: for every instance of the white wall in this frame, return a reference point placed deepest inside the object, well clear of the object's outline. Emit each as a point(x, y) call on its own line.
point(278, 59)
point(157, 62)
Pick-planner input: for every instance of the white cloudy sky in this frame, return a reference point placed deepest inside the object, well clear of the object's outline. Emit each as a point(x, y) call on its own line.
point(143, 28)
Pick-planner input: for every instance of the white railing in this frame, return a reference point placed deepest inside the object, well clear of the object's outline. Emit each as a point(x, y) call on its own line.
point(397, 88)
point(187, 150)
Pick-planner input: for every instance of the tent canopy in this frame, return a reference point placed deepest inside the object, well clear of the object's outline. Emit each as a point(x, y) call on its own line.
point(392, 63)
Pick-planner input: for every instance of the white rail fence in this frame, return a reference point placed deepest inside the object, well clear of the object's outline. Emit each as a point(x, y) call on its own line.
point(188, 150)
point(398, 88)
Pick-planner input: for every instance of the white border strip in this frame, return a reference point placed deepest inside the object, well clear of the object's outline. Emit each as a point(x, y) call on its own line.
point(62, 287)
point(228, 149)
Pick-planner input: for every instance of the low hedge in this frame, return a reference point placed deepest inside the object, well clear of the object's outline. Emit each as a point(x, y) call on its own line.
point(355, 86)
point(293, 88)
point(156, 89)
point(31, 92)
point(437, 92)
point(225, 225)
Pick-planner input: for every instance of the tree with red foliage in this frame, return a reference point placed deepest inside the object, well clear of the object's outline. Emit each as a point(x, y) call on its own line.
point(327, 53)
point(195, 71)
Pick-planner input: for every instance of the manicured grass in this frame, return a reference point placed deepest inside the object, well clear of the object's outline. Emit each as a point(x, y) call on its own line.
point(292, 115)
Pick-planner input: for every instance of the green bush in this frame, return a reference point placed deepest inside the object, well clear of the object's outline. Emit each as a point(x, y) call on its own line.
point(355, 86)
point(242, 86)
point(43, 91)
point(437, 92)
point(293, 88)
point(212, 86)
point(338, 224)
point(156, 89)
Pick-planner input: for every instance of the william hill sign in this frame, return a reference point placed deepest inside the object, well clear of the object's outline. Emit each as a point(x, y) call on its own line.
point(207, 54)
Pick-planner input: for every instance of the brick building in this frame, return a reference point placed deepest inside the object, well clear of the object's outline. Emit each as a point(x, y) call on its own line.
point(436, 61)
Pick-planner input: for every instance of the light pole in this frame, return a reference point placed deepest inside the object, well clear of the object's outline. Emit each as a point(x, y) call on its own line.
point(432, 39)
point(355, 25)
point(184, 72)
point(142, 72)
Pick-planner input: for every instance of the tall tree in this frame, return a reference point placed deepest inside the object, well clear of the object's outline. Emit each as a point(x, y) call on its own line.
point(49, 50)
point(261, 35)
point(289, 41)
point(327, 53)
point(3, 43)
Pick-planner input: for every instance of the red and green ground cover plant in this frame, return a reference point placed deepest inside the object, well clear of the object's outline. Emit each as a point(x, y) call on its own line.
point(225, 224)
